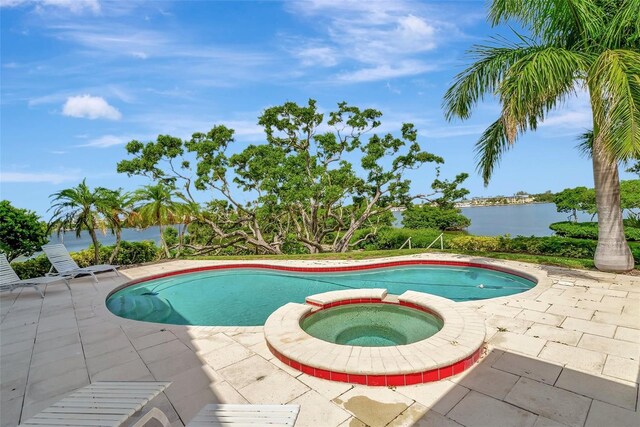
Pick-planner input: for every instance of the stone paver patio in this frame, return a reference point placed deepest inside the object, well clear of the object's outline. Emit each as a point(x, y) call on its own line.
point(563, 354)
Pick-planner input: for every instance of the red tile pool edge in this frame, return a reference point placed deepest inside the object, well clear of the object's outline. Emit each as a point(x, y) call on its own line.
point(336, 269)
point(383, 380)
point(379, 380)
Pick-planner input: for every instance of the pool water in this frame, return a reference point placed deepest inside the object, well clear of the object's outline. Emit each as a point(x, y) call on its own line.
point(246, 297)
point(371, 325)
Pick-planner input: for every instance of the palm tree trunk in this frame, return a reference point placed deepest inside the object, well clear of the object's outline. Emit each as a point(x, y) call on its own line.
point(612, 253)
point(116, 248)
point(163, 243)
point(96, 245)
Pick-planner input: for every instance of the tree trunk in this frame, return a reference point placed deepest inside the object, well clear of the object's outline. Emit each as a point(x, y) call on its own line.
point(163, 243)
point(613, 253)
point(96, 246)
point(116, 248)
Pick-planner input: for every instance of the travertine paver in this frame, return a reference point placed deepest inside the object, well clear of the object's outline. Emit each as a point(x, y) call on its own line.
point(557, 404)
point(528, 367)
point(316, 411)
point(554, 333)
point(476, 409)
point(615, 392)
point(52, 346)
point(604, 414)
point(440, 396)
point(519, 343)
point(622, 368)
point(579, 358)
point(492, 382)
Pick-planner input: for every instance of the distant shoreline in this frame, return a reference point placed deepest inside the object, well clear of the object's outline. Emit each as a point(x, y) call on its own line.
point(466, 205)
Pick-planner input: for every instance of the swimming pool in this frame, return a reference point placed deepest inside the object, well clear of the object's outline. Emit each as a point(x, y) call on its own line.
point(245, 295)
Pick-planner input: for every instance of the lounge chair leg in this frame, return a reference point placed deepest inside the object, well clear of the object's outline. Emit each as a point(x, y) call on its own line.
point(37, 288)
point(153, 414)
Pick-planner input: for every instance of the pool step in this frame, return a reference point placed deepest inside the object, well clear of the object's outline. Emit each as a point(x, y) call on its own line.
point(151, 308)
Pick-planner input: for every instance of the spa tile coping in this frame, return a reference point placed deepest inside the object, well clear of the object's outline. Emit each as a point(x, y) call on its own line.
point(451, 350)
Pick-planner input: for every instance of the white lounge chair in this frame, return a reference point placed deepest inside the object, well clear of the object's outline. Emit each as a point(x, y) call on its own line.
point(65, 266)
point(223, 414)
point(107, 403)
point(10, 280)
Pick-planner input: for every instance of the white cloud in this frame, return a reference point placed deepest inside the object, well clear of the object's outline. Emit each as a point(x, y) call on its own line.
point(379, 39)
point(320, 56)
point(573, 116)
point(106, 141)
point(75, 6)
point(52, 178)
point(453, 131)
point(385, 71)
point(90, 107)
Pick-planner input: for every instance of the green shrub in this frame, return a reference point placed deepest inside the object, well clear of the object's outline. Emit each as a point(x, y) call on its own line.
point(551, 246)
point(34, 267)
point(475, 243)
point(432, 217)
point(134, 253)
point(130, 253)
point(589, 230)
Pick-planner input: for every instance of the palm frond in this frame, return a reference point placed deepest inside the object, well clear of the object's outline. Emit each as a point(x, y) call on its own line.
point(537, 82)
point(615, 81)
point(552, 21)
point(585, 144)
point(482, 77)
point(490, 147)
point(623, 29)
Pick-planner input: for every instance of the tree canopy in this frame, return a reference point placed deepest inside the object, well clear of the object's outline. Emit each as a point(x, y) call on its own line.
point(301, 184)
point(21, 231)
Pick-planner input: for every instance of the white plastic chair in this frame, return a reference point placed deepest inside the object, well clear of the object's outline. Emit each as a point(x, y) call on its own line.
point(10, 280)
point(64, 265)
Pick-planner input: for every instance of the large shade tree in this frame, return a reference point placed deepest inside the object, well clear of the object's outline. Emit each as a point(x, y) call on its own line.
point(301, 184)
point(574, 45)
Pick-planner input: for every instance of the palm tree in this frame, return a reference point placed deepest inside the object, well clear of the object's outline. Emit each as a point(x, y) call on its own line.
point(116, 208)
point(158, 207)
point(574, 44)
point(76, 208)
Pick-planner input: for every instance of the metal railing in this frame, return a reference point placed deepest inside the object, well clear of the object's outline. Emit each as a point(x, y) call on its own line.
point(440, 237)
point(407, 241)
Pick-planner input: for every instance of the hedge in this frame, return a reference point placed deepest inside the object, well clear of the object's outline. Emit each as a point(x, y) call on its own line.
point(552, 246)
point(589, 230)
point(130, 253)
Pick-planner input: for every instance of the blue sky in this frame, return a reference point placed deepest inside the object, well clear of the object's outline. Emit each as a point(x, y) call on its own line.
point(81, 78)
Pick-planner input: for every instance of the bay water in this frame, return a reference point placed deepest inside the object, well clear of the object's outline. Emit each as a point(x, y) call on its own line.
point(515, 220)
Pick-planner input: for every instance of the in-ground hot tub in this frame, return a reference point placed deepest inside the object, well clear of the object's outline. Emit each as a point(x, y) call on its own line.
point(371, 325)
point(365, 352)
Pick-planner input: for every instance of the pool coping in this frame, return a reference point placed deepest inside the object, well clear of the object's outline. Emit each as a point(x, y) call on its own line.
point(360, 266)
point(453, 349)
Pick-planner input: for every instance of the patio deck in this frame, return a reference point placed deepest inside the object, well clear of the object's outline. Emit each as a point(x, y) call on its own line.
point(563, 354)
